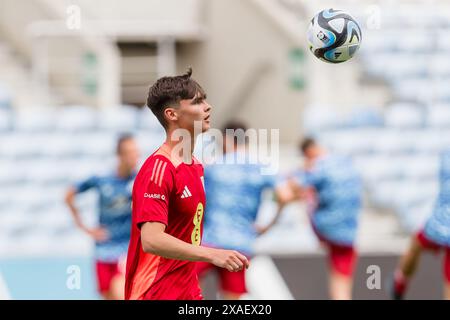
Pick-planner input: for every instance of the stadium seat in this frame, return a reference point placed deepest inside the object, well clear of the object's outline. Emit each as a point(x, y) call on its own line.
point(392, 141)
point(317, 118)
point(122, 119)
point(439, 64)
point(423, 167)
point(35, 119)
point(61, 145)
point(404, 116)
point(98, 144)
point(414, 42)
point(46, 172)
point(364, 117)
point(5, 120)
point(19, 145)
point(427, 141)
point(56, 218)
point(76, 118)
point(149, 141)
point(5, 97)
point(147, 121)
point(438, 116)
point(349, 141)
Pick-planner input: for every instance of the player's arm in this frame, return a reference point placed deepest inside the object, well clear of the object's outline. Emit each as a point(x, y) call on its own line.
point(156, 241)
point(284, 194)
point(99, 234)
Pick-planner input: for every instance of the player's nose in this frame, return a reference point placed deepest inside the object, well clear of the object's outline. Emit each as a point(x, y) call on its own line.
point(207, 107)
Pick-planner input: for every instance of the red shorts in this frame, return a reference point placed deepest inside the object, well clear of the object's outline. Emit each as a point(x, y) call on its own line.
point(429, 244)
point(341, 258)
point(232, 282)
point(106, 271)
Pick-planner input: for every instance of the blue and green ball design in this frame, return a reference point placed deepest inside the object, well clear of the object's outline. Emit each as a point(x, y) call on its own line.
point(334, 36)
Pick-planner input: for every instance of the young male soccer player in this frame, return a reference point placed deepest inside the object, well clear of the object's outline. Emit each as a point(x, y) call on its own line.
point(434, 236)
point(113, 234)
point(234, 196)
point(332, 189)
point(169, 202)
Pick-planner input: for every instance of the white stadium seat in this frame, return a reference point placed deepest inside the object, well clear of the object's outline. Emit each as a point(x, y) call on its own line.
point(122, 119)
point(35, 119)
point(96, 144)
point(317, 118)
point(5, 120)
point(76, 118)
point(438, 116)
point(147, 120)
point(5, 97)
point(404, 116)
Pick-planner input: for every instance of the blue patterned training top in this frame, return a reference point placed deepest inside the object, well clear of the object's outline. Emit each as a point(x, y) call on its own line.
point(338, 191)
point(114, 213)
point(233, 197)
point(437, 228)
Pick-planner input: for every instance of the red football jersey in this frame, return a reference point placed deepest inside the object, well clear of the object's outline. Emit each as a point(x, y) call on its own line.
point(174, 196)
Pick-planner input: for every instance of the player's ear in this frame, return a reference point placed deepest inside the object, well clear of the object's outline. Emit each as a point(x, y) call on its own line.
point(171, 114)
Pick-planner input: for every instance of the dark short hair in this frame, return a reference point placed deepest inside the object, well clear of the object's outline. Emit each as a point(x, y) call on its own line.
point(169, 91)
point(122, 138)
point(306, 143)
point(235, 125)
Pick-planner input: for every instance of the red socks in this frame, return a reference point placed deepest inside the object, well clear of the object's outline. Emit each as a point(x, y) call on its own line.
point(400, 283)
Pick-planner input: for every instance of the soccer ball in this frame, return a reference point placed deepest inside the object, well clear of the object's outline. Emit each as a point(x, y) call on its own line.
point(334, 36)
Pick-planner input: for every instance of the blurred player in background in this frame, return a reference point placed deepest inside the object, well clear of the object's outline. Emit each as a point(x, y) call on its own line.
point(169, 202)
point(332, 189)
point(113, 233)
point(433, 237)
point(234, 193)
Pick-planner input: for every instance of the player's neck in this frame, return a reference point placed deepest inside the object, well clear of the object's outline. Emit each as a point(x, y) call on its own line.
point(123, 171)
point(178, 151)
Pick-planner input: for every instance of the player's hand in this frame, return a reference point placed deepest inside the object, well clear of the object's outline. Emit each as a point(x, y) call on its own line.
point(231, 260)
point(98, 234)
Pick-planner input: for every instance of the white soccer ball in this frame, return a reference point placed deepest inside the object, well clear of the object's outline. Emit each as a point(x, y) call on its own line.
point(334, 36)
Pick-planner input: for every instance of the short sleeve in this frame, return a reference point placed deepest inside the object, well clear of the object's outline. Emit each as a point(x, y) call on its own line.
point(87, 184)
point(156, 194)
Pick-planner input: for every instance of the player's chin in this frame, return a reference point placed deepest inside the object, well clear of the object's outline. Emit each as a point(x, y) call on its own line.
point(205, 125)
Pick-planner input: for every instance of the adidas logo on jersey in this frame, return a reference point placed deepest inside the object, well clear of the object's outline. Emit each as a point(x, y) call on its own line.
point(186, 193)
